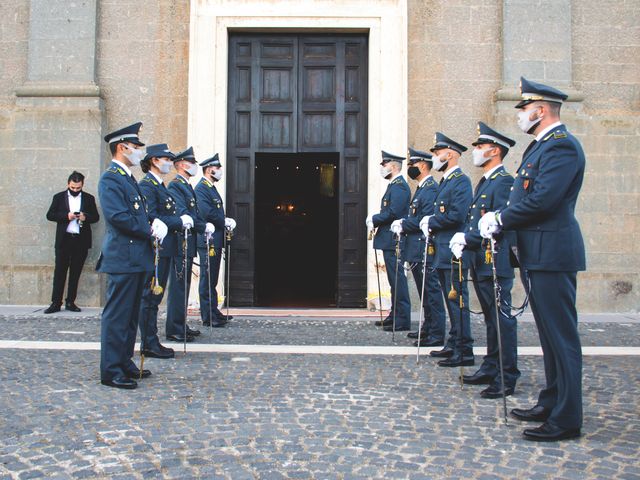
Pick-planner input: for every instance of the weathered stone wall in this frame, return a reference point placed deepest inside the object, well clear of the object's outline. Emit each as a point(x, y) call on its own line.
point(462, 64)
point(463, 57)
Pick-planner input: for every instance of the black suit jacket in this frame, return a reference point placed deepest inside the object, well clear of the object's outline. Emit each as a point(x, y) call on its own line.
point(58, 213)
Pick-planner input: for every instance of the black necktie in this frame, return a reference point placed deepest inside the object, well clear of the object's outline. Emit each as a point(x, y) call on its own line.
point(482, 180)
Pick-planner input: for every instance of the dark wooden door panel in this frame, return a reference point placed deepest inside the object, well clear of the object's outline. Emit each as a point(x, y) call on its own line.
point(298, 93)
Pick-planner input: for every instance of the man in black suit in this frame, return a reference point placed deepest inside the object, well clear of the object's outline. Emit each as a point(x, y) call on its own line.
point(74, 211)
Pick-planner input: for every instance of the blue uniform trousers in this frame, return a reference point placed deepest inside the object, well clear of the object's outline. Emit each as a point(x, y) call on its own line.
point(433, 305)
point(119, 323)
point(553, 302)
point(149, 307)
point(205, 287)
point(455, 341)
point(402, 302)
point(508, 330)
point(176, 315)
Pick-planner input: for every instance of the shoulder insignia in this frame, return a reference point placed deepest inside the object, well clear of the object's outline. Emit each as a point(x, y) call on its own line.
point(455, 174)
point(560, 134)
point(547, 137)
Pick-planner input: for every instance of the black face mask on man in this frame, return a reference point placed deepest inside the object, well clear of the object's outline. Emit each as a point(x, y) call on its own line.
point(74, 193)
point(413, 172)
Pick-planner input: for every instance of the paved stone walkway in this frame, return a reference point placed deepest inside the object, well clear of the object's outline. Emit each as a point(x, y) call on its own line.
point(272, 416)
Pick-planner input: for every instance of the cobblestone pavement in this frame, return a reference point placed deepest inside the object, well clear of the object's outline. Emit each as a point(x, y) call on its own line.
point(613, 331)
point(272, 416)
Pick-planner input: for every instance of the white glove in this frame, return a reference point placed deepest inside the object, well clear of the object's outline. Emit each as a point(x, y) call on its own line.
point(457, 249)
point(457, 238)
point(424, 225)
point(187, 221)
point(209, 230)
point(229, 224)
point(396, 226)
point(159, 229)
point(488, 225)
point(369, 222)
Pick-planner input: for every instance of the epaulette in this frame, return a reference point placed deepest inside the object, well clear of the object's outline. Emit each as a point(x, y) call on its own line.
point(396, 181)
point(179, 179)
point(207, 183)
point(559, 134)
point(151, 180)
point(501, 173)
point(430, 182)
point(114, 169)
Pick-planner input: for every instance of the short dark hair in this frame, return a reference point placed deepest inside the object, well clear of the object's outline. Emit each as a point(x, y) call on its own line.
point(75, 177)
point(554, 108)
point(113, 146)
point(503, 151)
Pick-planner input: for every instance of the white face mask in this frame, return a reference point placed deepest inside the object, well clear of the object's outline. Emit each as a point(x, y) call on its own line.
point(438, 162)
point(524, 123)
point(478, 157)
point(135, 155)
point(192, 170)
point(385, 172)
point(164, 167)
point(217, 175)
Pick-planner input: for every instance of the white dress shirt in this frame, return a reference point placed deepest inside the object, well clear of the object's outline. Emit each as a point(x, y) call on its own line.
point(74, 206)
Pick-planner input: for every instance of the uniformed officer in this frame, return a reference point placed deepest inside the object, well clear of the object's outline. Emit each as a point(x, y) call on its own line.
point(212, 210)
point(413, 249)
point(160, 204)
point(451, 208)
point(541, 210)
point(491, 193)
point(186, 204)
point(394, 205)
point(126, 257)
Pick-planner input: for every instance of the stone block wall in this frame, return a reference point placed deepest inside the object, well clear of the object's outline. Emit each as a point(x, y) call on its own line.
point(463, 58)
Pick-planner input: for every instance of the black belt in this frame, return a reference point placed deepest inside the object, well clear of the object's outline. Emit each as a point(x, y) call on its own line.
point(72, 234)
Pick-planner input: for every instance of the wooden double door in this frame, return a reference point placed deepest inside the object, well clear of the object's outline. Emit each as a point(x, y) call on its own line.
point(298, 94)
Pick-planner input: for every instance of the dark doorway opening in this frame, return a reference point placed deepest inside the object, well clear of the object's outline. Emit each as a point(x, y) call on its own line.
point(296, 227)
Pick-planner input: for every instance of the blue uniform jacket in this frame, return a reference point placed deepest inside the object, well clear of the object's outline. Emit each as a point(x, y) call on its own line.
point(186, 204)
point(421, 205)
point(161, 205)
point(394, 206)
point(126, 247)
point(490, 196)
point(451, 209)
point(542, 203)
point(211, 210)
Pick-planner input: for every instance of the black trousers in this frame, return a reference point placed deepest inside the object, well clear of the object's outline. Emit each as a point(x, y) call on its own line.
point(69, 257)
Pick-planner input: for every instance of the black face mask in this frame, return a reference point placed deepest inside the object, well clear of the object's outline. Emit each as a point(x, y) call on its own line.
point(74, 194)
point(413, 172)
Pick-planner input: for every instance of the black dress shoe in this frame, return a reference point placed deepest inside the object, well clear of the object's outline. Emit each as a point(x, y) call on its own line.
point(389, 328)
point(135, 374)
point(415, 335)
point(458, 361)
point(550, 433)
point(179, 338)
point(535, 414)
point(477, 378)
point(216, 323)
point(120, 382)
point(192, 333)
point(429, 342)
point(224, 318)
point(72, 307)
point(445, 352)
point(53, 308)
point(159, 353)
point(495, 391)
point(387, 321)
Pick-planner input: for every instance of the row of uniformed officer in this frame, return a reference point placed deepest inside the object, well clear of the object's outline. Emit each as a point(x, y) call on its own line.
point(139, 216)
